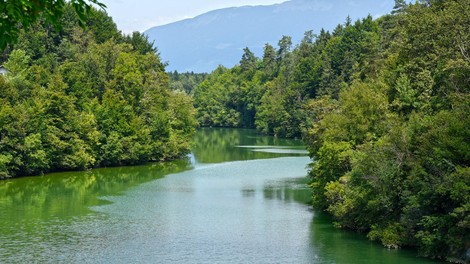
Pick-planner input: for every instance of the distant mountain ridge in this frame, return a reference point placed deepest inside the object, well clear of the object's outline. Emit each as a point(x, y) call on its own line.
point(218, 37)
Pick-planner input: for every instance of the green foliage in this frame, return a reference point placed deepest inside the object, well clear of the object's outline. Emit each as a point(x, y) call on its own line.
point(16, 13)
point(88, 97)
point(391, 154)
point(140, 43)
point(186, 82)
point(17, 62)
point(218, 96)
point(271, 93)
point(248, 61)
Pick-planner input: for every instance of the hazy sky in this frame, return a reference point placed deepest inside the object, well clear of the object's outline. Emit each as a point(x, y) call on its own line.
point(140, 15)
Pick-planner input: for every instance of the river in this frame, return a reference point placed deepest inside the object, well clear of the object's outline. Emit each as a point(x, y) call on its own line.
point(240, 197)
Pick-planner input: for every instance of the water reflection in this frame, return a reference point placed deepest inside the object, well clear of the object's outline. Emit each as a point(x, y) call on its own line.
point(69, 194)
point(217, 145)
point(329, 244)
point(289, 190)
point(334, 245)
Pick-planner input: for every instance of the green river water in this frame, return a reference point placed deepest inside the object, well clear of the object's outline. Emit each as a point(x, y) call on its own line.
point(238, 198)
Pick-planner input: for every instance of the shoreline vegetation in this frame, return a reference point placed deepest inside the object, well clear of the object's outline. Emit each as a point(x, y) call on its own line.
point(86, 97)
point(381, 104)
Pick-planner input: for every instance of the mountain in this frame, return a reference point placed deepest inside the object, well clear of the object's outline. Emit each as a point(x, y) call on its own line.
point(218, 37)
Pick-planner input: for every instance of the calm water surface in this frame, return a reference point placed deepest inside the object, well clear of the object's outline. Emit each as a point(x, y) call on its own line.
point(239, 198)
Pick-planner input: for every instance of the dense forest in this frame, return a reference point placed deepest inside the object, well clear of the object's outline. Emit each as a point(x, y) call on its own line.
point(85, 95)
point(383, 106)
point(186, 82)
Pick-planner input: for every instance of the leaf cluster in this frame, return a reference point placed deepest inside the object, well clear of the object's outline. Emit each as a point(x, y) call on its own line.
point(17, 14)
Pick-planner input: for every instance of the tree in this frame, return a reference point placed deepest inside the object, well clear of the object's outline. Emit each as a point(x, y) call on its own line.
point(17, 63)
point(269, 62)
point(14, 13)
point(285, 44)
point(399, 7)
point(140, 42)
point(248, 61)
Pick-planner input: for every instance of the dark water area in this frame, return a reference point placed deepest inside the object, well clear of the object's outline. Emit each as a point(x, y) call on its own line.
point(240, 197)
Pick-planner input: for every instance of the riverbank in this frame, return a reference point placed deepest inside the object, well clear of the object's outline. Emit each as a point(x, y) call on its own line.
point(241, 197)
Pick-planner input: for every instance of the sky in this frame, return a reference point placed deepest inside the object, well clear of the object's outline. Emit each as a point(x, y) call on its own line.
point(140, 15)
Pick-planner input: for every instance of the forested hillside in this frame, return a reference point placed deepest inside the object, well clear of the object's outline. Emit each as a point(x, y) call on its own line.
point(383, 106)
point(82, 97)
